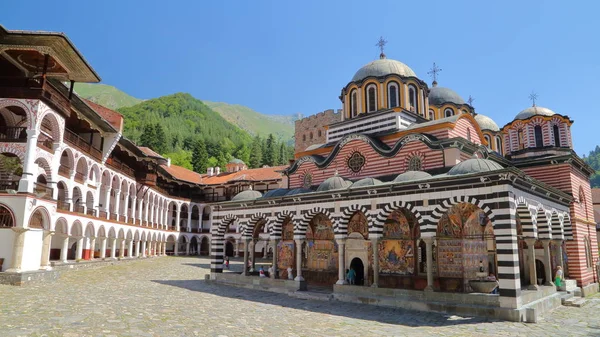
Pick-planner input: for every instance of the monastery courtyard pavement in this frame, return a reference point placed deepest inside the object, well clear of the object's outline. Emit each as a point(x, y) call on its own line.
point(169, 297)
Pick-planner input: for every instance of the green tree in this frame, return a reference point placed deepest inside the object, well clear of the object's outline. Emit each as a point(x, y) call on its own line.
point(200, 157)
point(160, 143)
point(243, 153)
point(148, 136)
point(181, 158)
point(270, 154)
point(283, 158)
point(256, 157)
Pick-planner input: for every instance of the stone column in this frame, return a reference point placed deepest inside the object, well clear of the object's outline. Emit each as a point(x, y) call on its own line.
point(79, 251)
point(102, 248)
point(176, 248)
point(19, 242)
point(299, 260)
point(93, 247)
point(237, 248)
point(121, 248)
point(187, 248)
point(274, 243)
point(189, 219)
point(133, 207)
point(177, 218)
point(113, 249)
point(125, 206)
point(429, 262)
point(531, 259)
point(375, 245)
point(47, 244)
point(341, 260)
point(27, 182)
point(547, 262)
point(246, 243)
point(146, 215)
point(559, 251)
point(130, 248)
point(164, 248)
point(137, 248)
point(253, 254)
point(107, 202)
point(65, 249)
point(143, 248)
point(117, 201)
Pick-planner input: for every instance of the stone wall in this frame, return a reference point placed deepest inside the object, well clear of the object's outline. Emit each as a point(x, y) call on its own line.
point(311, 130)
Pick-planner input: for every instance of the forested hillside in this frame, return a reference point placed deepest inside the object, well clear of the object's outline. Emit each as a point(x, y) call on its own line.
point(194, 136)
point(593, 159)
point(105, 95)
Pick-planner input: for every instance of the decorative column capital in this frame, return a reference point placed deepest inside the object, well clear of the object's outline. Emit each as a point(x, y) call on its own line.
point(545, 242)
point(530, 241)
point(19, 230)
point(340, 242)
point(47, 232)
point(428, 239)
point(299, 241)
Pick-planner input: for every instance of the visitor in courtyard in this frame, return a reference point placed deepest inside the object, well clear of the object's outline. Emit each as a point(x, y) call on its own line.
point(227, 262)
point(558, 277)
point(351, 275)
point(492, 277)
point(289, 272)
point(250, 269)
point(270, 270)
point(261, 272)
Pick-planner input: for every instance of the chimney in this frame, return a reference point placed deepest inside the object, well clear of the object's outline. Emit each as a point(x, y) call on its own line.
point(168, 162)
point(209, 171)
point(217, 170)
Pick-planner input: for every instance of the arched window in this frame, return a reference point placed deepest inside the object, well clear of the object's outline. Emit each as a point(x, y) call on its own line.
point(489, 141)
point(431, 115)
point(392, 95)
point(556, 134)
point(413, 101)
point(499, 145)
point(448, 112)
point(415, 163)
point(353, 106)
point(468, 134)
point(319, 133)
point(583, 202)
point(6, 217)
point(539, 140)
point(371, 98)
point(311, 136)
point(521, 139)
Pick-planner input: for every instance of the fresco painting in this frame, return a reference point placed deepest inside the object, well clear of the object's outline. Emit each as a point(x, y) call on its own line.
point(397, 257)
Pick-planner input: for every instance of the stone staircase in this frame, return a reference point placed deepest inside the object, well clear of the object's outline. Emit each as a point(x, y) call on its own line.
point(571, 296)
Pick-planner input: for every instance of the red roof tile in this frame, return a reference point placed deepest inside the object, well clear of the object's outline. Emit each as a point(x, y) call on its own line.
point(112, 117)
point(257, 174)
point(184, 174)
point(149, 152)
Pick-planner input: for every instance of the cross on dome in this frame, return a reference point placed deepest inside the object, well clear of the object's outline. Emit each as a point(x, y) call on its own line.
point(381, 44)
point(433, 72)
point(533, 97)
point(470, 100)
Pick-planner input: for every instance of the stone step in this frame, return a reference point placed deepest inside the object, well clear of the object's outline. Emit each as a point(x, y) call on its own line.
point(311, 295)
point(564, 297)
point(577, 302)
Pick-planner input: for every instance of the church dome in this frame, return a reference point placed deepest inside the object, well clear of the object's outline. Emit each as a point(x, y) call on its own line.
point(486, 123)
point(475, 165)
point(247, 195)
point(366, 182)
point(535, 111)
point(411, 176)
point(334, 183)
point(383, 67)
point(440, 95)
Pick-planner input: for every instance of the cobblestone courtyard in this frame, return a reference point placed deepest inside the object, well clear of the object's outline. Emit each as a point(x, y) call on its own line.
point(168, 297)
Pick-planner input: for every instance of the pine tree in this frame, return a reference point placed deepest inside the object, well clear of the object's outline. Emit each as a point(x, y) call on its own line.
point(282, 154)
point(271, 151)
point(148, 136)
point(256, 156)
point(160, 143)
point(200, 157)
point(243, 153)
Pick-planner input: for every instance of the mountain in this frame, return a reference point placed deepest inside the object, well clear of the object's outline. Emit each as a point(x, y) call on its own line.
point(105, 95)
point(282, 127)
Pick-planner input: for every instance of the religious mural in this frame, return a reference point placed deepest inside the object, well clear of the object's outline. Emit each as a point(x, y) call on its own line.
point(358, 224)
point(320, 252)
point(285, 257)
point(288, 230)
point(397, 249)
point(464, 235)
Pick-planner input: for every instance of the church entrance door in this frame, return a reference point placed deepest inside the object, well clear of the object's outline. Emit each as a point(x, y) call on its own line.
point(359, 268)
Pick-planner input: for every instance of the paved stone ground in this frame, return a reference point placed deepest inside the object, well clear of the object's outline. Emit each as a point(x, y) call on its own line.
point(168, 297)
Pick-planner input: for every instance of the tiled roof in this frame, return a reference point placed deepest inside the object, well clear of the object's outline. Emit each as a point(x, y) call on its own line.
point(596, 195)
point(112, 117)
point(257, 174)
point(182, 173)
point(149, 152)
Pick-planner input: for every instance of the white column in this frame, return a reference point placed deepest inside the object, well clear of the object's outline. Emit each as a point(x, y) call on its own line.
point(547, 262)
point(164, 248)
point(47, 243)
point(26, 184)
point(299, 260)
point(429, 262)
point(107, 202)
point(246, 244)
point(187, 248)
point(130, 249)
point(92, 246)
point(274, 243)
point(117, 201)
point(126, 207)
point(121, 248)
point(176, 248)
point(143, 248)
point(102, 248)
point(79, 251)
point(189, 220)
point(133, 207)
point(113, 249)
point(65, 249)
point(19, 242)
point(146, 215)
point(177, 218)
point(341, 260)
point(531, 260)
point(375, 245)
point(237, 248)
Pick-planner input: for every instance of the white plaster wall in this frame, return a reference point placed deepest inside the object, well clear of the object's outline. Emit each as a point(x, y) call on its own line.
point(7, 238)
point(32, 250)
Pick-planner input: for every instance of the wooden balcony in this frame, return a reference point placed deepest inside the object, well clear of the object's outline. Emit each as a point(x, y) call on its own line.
point(120, 166)
point(62, 205)
point(42, 191)
point(13, 134)
point(73, 139)
point(46, 144)
point(9, 185)
point(80, 177)
point(64, 171)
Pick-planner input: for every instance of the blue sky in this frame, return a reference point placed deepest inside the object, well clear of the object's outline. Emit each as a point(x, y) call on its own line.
point(284, 57)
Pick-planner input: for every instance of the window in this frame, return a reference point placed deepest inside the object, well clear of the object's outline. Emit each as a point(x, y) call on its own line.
point(521, 139)
point(489, 141)
point(353, 106)
point(311, 136)
point(392, 95)
point(431, 115)
point(539, 140)
point(6, 217)
point(412, 98)
point(448, 112)
point(556, 134)
point(371, 98)
point(415, 164)
point(319, 133)
point(303, 138)
point(469, 134)
point(499, 145)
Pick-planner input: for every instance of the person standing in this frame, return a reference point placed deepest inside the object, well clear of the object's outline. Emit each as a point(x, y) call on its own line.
point(227, 262)
point(558, 277)
point(351, 276)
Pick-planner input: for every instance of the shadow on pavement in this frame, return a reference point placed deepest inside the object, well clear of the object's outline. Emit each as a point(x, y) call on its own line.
point(395, 316)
